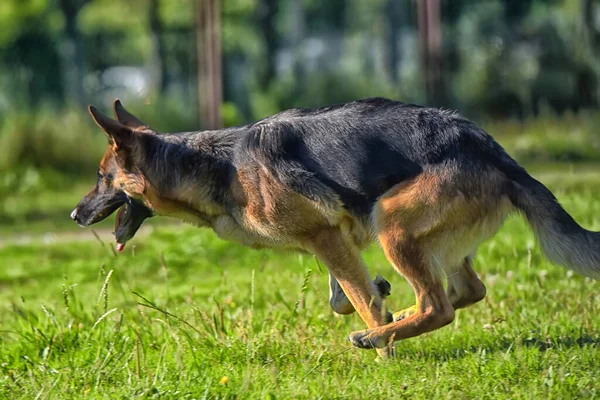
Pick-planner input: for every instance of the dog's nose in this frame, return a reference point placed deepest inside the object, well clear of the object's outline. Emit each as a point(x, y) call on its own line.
point(74, 214)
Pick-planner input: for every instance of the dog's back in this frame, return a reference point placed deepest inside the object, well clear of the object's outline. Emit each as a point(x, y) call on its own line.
point(362, 149)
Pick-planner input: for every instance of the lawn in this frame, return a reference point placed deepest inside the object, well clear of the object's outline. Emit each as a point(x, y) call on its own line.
point(181, 314)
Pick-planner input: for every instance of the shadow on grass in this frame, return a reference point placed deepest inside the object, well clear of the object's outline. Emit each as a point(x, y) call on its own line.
point(562, 342)
point(455, 352)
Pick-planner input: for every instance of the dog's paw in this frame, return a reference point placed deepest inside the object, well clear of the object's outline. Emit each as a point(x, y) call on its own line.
point(383, 286)
point(389, 317)
point(361, 340)
point(366, 340)
point(407, 312)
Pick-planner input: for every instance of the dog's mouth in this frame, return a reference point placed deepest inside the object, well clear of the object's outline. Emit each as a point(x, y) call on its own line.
point(130, 218)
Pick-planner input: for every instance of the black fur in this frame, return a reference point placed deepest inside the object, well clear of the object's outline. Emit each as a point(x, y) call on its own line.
point(361, 149)
point(354, 151)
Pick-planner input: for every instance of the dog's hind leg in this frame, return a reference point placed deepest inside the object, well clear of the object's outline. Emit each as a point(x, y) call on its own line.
point(339, 301)
point(464, 289)
point(427, 226)
point(433, 309)
point(345, 264)
point(464, 286)
point(407, 218)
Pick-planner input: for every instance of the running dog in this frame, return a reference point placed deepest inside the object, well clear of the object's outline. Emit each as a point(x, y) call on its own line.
point(427, 184)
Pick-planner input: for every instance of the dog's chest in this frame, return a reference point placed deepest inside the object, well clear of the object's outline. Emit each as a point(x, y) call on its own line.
point(228, 228)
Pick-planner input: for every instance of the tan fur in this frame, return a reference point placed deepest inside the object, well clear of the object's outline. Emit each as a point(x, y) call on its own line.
point(345, 264)
point(338, 300)
point(173, 208)
point(272, 208)
point(426, 227)
point(464, 286)
point(132, 183)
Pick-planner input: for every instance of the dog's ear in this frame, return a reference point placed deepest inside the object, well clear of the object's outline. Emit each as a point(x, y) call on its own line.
point(130, 120)
point(121, 136)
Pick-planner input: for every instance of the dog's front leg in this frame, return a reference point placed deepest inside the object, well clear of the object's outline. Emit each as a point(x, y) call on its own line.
point(346, 266)
point(339, 301)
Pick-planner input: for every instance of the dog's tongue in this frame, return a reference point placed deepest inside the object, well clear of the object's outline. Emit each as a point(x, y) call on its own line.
point(121, 215)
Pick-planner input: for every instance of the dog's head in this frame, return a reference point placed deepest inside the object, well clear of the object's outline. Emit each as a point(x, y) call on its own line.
point(119, 180)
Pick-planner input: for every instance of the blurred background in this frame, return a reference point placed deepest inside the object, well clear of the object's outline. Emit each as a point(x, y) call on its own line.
point(526, 70)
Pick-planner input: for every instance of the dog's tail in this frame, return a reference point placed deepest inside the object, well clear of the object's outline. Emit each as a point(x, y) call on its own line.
point(562, 239)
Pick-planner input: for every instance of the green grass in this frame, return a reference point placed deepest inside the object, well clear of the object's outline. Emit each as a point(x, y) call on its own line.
point(550, 138)
point(182, 314)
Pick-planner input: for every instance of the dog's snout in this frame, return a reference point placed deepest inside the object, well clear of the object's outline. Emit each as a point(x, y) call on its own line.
point(80, 216)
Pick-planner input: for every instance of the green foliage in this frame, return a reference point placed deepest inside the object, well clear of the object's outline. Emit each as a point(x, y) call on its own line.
point(186, 315)
point(500, 58)
point(550, 138)
point(318, 89)
point(62, 140)
point(17, 16)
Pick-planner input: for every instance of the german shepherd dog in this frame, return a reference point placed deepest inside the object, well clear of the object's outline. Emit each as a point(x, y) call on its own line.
point(427, 184)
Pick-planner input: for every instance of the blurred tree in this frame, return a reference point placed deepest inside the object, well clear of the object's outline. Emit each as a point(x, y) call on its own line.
point(267, 13)
point(394, 19)
point(296, 32)
point(158, 44)
point(208, 28)
point(588, 20)
point(30, 65)
point(430, 42)
point(499, 57)
point(73, 55)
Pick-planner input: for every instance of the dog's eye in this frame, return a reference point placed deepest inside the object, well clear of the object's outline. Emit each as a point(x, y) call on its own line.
point(102, 176)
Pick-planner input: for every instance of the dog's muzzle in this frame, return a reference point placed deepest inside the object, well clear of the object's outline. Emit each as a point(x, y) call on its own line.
point(74, 216)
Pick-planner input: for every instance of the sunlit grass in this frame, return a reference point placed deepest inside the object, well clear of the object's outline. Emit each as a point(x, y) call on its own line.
point(182, 314)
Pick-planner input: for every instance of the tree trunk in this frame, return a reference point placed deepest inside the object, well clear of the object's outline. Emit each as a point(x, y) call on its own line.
point(393, 18)
point(267, 12)
point(430, 43)
point(72, 53)
point(296, 37)
point(158, 44)
point(210, 85)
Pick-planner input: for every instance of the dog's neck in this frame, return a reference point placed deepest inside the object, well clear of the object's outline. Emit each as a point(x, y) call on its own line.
point(188, 175)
